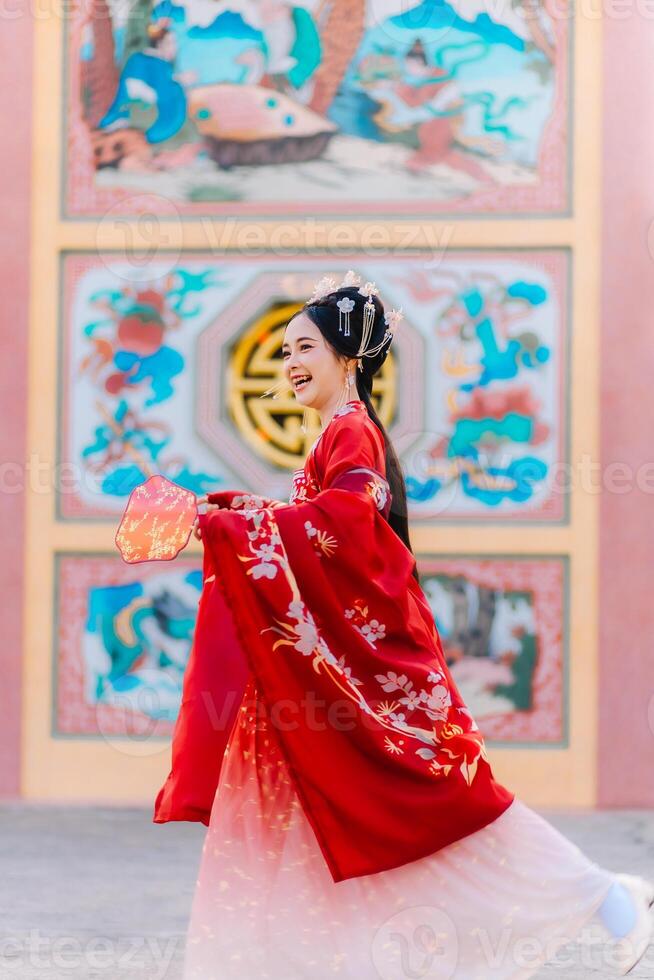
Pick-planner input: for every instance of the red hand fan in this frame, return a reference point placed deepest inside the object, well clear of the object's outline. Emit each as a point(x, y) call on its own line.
point(157, 522)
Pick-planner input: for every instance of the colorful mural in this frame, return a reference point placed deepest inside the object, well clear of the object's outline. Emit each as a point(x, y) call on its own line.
point(122, 641)
point(277, 106)
point(494, 431)
point(133, 347)
point(504, 631)
point(123, 637)
point(166, 377)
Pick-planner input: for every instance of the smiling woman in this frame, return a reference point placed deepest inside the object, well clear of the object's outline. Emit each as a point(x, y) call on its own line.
point(351, 803)
point(311, 367)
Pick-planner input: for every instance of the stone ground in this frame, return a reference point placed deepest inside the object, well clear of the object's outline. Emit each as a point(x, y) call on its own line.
point(88, 893)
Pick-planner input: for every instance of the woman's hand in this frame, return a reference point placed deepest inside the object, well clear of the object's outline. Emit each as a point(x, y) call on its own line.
point(204, 507)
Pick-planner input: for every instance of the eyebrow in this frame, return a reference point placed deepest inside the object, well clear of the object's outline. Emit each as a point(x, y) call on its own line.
point(285, 344)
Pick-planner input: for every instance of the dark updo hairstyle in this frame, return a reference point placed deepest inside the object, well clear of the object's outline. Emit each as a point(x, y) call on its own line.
point(325, 315)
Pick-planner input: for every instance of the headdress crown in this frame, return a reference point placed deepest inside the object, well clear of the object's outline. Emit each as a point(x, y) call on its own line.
point(327, 285)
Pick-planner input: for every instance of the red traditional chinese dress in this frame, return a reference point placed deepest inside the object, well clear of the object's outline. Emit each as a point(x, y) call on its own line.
point(346, 785)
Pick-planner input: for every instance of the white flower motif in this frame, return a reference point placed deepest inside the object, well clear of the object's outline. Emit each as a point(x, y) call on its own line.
point(310, 529)
point(296, 610)
point(390, 681)
point(263, 570)
point(267, 565)
point(307, 638)
point(412, 700)
point(265, 551)
point(373, 631)
point(438, 703)
point(378, 493)
point(434, 676)
point(249, 502)
point(345, 305)
point(306, 630)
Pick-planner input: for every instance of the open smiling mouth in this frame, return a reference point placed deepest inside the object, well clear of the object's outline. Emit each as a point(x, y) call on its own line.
point(300, 383)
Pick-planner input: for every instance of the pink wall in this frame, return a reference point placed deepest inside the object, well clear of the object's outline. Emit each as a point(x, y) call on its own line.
point(626, 744)
point(16, 111)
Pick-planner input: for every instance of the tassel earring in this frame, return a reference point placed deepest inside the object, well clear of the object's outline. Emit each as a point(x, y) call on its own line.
point(345, 390)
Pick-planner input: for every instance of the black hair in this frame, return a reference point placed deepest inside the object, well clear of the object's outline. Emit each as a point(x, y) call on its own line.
point(325, 315)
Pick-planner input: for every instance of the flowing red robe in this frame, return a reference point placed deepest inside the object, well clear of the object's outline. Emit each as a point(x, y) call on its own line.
point(312, 605)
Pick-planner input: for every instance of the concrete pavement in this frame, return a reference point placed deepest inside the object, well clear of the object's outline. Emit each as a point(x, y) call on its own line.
point(101, 893)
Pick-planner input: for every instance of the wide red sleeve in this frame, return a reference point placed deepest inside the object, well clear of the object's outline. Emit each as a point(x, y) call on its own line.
point(386, 759)
point(214, 682)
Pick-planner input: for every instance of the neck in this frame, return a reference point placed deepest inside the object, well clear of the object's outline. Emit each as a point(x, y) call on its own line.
point(327, 413)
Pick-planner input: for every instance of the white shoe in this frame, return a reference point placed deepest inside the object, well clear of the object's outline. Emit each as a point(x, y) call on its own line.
point(629, 950)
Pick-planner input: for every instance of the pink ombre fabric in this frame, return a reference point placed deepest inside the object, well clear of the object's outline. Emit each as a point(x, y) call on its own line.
point(266, 906)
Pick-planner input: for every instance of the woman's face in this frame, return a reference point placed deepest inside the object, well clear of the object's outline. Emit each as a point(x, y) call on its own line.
point(307, 355)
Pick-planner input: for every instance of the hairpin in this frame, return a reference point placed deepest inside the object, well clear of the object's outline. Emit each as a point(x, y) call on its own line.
point(345, 307)
point(368, 317)
point(393, 318)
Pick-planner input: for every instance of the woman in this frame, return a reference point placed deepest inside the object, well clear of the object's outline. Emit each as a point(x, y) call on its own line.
point(355, 826)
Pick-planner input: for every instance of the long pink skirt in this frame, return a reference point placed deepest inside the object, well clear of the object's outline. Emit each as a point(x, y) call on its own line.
point(495, 905)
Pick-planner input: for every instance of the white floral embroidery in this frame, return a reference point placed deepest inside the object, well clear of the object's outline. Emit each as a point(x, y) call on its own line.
point(306, 628)
point(372, 630)
point(304, 487)
point(267, 566)
point(445, 745)
point(265, 544)
point(378, 492)
point(247, 501)
point(303, 636)
point(434, 703)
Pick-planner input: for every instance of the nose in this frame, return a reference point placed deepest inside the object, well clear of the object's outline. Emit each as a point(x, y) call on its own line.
point(291, 362)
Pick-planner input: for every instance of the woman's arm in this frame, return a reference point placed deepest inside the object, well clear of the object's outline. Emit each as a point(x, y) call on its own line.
point(231, 500)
